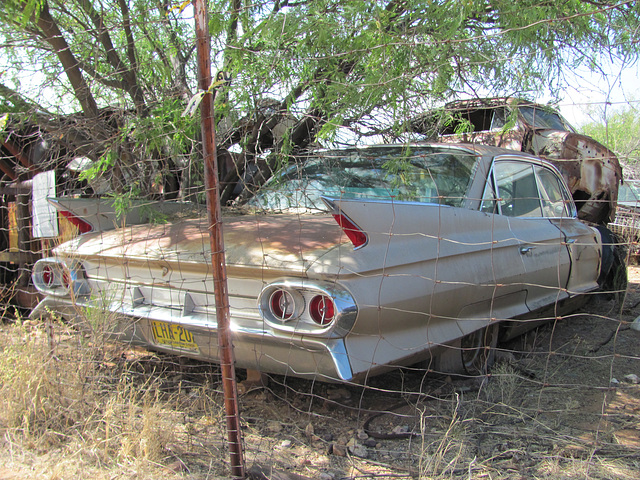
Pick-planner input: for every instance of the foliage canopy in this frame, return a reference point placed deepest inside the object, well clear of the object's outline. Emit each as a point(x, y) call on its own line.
point(124, 71)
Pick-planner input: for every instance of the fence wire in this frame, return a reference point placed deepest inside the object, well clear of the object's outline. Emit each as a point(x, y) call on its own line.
point(559, 401)
point(381, 305)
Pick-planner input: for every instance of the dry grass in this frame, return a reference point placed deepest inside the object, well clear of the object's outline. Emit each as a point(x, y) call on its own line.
point(79, 399)
point(73, 405)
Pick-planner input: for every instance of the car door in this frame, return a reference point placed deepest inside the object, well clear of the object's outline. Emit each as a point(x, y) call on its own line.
point(541, 245)
point(581, 240)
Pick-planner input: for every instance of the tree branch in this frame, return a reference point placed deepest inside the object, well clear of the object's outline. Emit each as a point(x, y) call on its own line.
point(131, 44)
point(52, 35)
point(180, 59)
point(128, 75)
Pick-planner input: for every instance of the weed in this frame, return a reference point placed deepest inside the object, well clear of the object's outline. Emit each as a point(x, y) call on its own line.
point(73, 398)
point(505, 384)
point(442, 455)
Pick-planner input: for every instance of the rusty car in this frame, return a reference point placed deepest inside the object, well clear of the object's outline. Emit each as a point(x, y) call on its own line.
point(592, 171)
point(349, 263)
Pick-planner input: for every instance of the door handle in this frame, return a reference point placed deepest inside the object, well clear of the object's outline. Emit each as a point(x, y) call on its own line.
point(526, 250)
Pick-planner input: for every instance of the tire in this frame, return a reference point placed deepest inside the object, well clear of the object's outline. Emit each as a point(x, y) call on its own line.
point(613, 276)
point(478, 350)
point(472, 354)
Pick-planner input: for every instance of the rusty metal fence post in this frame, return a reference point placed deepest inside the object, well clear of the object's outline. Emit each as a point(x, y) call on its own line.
point(229, 384)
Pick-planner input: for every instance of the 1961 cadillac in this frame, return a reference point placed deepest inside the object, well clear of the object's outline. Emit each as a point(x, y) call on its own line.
point(350, 263)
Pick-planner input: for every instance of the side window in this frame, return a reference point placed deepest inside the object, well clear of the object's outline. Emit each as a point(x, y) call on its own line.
point(489, 204)
point(552, 194)
point(517, 189)
point(526, 190)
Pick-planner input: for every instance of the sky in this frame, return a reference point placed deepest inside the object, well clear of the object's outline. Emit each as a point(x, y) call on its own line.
point(615, 89)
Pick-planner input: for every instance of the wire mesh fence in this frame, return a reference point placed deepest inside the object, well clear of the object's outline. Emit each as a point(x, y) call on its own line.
point(560, 399)
point(428, 306)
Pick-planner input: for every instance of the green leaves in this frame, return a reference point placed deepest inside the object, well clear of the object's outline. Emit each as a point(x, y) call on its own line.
point(21, 12)
point(31, 8)
point(618, 129)
point(356, 63)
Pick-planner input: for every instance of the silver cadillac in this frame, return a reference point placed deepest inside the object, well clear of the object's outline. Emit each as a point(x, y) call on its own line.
point(349, 263)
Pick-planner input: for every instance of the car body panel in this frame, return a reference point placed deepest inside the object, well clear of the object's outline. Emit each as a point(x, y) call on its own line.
point(586, 262)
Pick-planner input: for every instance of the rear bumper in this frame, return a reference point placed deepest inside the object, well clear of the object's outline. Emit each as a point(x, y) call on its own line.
point(254, 348)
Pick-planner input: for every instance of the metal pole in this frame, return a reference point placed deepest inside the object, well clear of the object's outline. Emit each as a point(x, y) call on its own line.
point(229, 384)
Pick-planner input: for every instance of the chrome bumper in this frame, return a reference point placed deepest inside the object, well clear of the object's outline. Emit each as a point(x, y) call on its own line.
point(254, 348)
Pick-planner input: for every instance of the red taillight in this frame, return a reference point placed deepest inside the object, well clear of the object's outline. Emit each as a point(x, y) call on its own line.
point(83, 227)
point(48, 276)
point(281, 304)
point(322, 309)
point(351, 230)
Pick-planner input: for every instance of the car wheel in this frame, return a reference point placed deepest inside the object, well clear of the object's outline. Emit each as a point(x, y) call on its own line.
point(478, 350)
point(472, 354)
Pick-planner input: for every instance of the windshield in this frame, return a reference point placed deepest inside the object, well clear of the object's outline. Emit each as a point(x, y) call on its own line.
point(629, 192)
point(380, 173)
point(541, 118)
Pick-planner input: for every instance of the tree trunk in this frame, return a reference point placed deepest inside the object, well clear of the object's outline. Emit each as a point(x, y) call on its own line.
point(54, 37)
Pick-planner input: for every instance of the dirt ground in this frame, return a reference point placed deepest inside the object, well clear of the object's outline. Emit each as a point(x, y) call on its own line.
point(562, 402)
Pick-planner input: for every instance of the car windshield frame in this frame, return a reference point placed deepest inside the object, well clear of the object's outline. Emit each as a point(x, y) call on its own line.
point(416, 174)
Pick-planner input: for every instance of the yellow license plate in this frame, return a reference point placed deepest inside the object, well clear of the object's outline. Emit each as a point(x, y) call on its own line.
point(173, 335)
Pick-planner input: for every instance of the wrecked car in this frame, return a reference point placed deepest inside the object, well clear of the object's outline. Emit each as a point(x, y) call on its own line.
point(591, 170)
point(349, 263)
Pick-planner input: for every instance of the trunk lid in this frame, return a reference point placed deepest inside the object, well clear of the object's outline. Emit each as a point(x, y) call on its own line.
point(282, 242)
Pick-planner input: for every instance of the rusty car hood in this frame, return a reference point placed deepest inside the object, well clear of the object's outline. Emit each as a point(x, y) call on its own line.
point(282, 242)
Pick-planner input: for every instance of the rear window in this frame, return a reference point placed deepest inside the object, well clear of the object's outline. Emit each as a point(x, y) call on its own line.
point(398, 174)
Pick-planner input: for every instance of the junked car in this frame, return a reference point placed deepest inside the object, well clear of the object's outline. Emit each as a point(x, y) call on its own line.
point(591, 170)
point(349, 263)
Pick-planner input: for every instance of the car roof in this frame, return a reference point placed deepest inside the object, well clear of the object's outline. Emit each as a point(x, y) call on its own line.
point(469, 148)
point(490, 102)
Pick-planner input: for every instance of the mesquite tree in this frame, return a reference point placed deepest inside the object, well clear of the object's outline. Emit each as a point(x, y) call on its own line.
point(120, 74)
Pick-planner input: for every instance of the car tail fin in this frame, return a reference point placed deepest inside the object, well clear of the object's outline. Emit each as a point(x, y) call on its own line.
point(79, 223)
point(75, 211)
point(354, 233)
point(100, 214)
